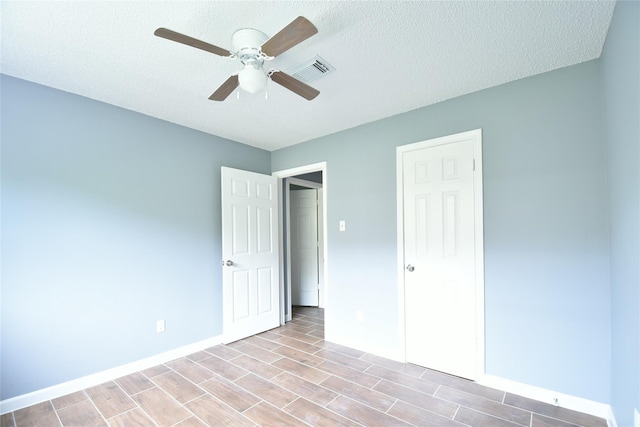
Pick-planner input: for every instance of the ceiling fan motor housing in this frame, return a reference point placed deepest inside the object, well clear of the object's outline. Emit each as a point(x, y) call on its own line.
point(247, 43)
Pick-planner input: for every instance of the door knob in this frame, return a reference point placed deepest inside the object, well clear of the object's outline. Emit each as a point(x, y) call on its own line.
point(410, 268)
point(228, 263)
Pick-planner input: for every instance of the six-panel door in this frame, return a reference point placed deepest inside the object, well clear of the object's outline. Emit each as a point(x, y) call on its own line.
point(250, 268)
point(440, 288)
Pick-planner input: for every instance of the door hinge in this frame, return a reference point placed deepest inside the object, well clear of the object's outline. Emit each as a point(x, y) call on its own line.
point(474, 164)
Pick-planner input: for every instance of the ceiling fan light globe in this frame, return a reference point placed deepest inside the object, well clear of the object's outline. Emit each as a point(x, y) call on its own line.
point(252, 80)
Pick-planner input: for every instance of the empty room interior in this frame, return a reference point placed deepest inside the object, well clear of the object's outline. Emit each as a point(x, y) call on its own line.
point(339, 213)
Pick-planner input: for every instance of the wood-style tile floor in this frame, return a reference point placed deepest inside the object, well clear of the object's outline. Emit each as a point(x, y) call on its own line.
point(290, 376)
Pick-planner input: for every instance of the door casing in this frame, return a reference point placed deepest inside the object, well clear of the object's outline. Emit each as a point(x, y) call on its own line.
point(476, 135)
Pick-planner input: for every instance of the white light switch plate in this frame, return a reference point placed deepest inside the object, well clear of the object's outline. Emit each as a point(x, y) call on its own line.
point(343, 225)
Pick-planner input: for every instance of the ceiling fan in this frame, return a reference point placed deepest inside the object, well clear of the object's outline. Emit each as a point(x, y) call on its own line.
point(253, 48)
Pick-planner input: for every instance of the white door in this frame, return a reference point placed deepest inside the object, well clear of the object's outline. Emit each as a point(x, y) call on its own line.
point(440, 258)
point(250, 271)
point(304, 247)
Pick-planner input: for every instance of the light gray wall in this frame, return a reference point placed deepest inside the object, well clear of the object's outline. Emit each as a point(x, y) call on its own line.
point(546, 231)
point(621, 88)
point(110, 221)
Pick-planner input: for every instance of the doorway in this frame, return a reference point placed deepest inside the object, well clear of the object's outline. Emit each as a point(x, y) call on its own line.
point(440, 247)
point(305, 242)
point(311, 177)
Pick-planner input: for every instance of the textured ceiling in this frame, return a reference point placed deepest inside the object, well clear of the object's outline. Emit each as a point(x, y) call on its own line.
point(390, 56)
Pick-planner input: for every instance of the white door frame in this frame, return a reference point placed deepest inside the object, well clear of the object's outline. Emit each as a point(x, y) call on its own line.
point(281, 175)
point(476, 135)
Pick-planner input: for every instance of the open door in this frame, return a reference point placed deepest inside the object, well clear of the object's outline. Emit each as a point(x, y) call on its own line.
point(250, 272)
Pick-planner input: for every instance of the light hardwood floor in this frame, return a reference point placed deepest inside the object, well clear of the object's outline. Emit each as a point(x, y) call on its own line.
point(290, 376)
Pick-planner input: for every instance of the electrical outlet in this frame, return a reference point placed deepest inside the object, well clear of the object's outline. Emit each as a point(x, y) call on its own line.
point(160, 326)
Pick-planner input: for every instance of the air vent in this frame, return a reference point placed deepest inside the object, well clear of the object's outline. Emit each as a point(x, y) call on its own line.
point(311, 70)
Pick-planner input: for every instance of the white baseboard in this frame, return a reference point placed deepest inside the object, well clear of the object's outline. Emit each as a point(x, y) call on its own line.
point(568, 401)
point(58, 390)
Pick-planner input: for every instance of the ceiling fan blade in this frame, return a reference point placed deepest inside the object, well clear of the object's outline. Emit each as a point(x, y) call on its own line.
point(225, 89)
point(294, 85)
point(296, 32)
point(190, 41)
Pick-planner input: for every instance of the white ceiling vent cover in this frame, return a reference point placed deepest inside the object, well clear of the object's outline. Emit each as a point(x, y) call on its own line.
point(311, 70)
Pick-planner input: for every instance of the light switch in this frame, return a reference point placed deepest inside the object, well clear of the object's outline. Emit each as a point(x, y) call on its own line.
point(343, 225)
